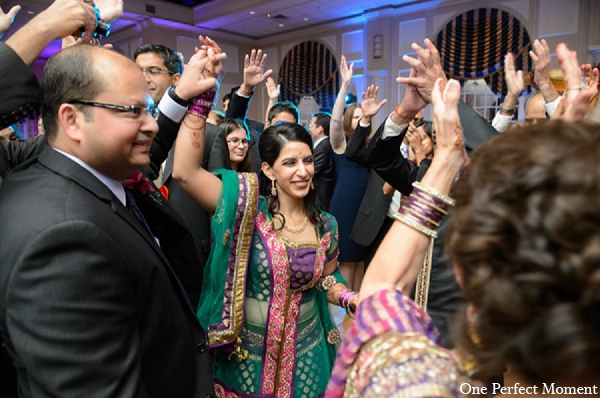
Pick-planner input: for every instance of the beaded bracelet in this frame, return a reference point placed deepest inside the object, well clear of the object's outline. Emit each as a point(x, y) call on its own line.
point(201, 106)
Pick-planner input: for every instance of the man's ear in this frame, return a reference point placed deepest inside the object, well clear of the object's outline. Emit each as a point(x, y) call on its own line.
point(267, 170)
point(175, 79)
point(71, 120)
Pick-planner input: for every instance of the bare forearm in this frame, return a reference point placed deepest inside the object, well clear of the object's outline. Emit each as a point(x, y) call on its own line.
point(336, 129)
point(29, 41)
point(548, 90)
point(187, 169)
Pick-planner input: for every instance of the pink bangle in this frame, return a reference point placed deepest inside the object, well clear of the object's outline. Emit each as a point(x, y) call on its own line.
point(201, 105)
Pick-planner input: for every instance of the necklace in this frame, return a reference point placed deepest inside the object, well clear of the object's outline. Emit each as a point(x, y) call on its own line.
point(297, 230)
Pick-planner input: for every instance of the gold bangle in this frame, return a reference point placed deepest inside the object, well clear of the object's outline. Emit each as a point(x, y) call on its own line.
point(435, 193)
point(415, 225)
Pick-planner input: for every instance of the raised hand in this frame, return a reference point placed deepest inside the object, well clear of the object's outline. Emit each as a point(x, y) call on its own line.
point(206, 43)
point(65, 17)
point(7, 19)
point(590, 76)
point(215, 66)
point(576, 99)
point(346, 71)
point(195, 79)
point(541, 59)
point(428, 69)
point(512, 77)
point(109, 9)
point(448, 137)
point(411, 103)
point(369, 104)
point(254, 73)
point(272, 89)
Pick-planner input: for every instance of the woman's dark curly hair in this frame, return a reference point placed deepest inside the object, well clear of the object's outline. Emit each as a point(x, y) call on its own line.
point(270, 144)
point(526, 234)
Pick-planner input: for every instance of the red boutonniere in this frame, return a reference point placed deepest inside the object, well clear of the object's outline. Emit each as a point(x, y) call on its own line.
point(165, 191)
point(139, 183)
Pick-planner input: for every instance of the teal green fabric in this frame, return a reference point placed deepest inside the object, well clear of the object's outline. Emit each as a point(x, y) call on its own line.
point(314, 355)
point(210, 306)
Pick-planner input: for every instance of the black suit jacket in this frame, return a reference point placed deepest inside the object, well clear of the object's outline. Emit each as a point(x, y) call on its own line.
point(91, 305)
point(374, 205)
point(445, 296)
point(384, 155)
point(19, 87)
point(215, 157)
point(324, 178)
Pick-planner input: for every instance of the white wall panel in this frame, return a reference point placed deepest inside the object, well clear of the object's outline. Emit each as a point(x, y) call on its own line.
point(413, 31)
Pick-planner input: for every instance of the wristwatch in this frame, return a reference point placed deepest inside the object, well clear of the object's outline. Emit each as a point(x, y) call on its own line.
point(507, 111)
point(176, 98)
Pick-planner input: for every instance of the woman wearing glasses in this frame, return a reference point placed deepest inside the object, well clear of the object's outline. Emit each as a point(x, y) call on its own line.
point(236, 135)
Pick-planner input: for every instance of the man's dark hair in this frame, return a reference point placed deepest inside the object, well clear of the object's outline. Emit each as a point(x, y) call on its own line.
point(170, 58)
point(323, 119)
point(284, 106)
point(69, 75)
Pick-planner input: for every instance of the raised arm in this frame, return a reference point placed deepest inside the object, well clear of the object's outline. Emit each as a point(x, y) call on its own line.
point(356, 145)
point(541, 58)
point(7, 19)
point(254, 74)
point(515, 85)
point(336, 128)
point(273, 93)
point(369, 105)
point(576, 99)
point(388, 269)
point(61, 19)
point(202, 186)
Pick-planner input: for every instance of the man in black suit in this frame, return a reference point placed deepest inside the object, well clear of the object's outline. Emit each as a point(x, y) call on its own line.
point(324, 178)
point(91, 305)
point(383, 155)
point(163, 69)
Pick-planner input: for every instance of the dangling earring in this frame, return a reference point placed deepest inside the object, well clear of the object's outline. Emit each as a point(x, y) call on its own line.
point(471, 330)
point(312, 185)
point(273, 189)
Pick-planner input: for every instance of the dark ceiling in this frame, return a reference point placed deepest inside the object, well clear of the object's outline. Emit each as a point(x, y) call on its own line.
point(188, 3)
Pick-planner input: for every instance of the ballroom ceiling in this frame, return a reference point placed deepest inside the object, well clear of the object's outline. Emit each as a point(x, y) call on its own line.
point(253, 19)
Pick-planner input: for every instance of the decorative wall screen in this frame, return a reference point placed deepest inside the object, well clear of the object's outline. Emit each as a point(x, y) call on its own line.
point(473, 46)
point(309, 69)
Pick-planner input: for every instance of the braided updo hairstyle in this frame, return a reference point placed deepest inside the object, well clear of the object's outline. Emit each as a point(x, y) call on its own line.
point(526, 234)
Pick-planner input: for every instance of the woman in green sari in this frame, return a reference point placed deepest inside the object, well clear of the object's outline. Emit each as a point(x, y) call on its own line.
point(272, 268)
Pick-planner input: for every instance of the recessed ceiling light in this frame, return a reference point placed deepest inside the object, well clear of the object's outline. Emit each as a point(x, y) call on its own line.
point(30, 12)
point(268, 15)
point(306, 19)
point(252, 13)
point(281, 25)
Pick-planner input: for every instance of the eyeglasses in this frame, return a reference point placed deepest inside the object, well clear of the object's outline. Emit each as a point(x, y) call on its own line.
point(138, 112)
point(237, 141)
point(155, 71)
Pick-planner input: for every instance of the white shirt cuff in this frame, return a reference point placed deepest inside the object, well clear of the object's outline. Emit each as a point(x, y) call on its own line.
point(171, 109)
point(550, 107)
point(390, 129)
point(501, 122)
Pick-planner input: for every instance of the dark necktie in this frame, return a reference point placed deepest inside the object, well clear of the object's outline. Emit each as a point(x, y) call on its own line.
point(132, 206)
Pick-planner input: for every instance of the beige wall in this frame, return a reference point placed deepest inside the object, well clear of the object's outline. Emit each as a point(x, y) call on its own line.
point(574, 22)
